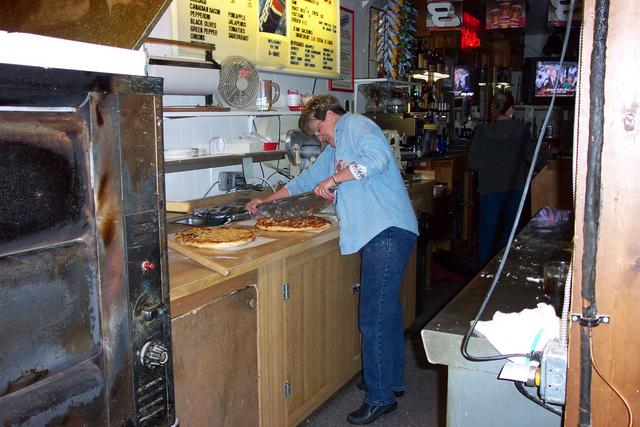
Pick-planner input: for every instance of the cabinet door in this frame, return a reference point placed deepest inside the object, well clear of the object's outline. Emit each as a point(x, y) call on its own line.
point(216, 364)
point(322, 338)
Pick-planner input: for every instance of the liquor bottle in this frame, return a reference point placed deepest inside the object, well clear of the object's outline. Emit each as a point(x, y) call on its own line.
point(442, 141)
point(416, 99)
point(420, 55)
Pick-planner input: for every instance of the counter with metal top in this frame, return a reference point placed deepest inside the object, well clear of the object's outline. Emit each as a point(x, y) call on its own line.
point(475, 397)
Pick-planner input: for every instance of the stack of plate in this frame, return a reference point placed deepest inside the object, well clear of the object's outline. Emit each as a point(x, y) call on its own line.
point(183, 153)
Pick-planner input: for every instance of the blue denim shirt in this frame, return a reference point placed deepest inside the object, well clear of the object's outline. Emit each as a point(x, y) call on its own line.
point(365, 206)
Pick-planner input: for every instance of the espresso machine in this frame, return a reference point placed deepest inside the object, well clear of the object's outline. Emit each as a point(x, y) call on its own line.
point(410, 126)
point(388, 105)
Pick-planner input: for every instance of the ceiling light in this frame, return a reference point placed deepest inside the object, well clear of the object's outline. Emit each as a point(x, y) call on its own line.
point(431, 76)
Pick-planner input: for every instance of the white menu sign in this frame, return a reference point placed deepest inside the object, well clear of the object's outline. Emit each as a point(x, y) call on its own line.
point(300, 36)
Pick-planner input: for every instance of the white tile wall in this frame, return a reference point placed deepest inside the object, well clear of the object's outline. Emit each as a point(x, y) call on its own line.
point(197, 131)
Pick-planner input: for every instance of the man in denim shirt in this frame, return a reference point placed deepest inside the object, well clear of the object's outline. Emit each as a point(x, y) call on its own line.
point(357, 171)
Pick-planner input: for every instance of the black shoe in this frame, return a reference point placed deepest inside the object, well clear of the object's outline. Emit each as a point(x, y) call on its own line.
point(361, 386)
point(369, 413)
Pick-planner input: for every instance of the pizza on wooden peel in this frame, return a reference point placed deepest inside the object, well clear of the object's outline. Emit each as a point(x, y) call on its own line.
point(305, 223)
point(215, 237)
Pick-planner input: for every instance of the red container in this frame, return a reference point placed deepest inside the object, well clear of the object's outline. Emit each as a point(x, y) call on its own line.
point(269, 146)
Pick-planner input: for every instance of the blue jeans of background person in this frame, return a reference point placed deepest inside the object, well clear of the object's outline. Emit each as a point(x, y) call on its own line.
point(383, 262)
point(497, 212)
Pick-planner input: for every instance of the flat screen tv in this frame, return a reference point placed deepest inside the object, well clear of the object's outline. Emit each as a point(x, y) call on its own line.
point(545, 74)
point(462, 81)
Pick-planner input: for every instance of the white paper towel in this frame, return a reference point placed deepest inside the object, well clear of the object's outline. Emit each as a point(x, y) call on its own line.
point(523, 332)
point(186, 80)
point(51, 52)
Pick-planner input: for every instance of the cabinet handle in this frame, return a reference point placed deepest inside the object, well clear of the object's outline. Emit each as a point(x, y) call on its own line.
point(355, 288)
point(252, 303)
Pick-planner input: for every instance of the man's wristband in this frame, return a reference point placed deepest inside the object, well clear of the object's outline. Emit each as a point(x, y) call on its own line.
point(333, 177)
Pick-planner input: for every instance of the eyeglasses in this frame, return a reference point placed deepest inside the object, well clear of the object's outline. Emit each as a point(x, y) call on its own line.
point(316, 131)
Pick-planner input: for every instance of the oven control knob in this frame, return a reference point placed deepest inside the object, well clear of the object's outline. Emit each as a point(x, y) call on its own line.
point(154, 354)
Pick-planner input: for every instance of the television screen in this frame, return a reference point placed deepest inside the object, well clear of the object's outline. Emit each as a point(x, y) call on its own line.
point(462, 81)
point(549, 74)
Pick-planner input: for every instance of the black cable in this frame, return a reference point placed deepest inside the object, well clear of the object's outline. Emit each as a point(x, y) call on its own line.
point(279, 141)
point(534, 399)
point(592, 205)
point(313, 91)
point(467, 337)
point(210, 188)
point(279, 172)
point(261, 169)
point(279, 130)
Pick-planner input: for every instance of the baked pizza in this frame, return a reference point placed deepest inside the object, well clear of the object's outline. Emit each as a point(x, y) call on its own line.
point(214, 237)
point(305, 223)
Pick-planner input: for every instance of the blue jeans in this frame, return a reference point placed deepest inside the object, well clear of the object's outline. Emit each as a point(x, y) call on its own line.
point(383, 262)
point(497, 212)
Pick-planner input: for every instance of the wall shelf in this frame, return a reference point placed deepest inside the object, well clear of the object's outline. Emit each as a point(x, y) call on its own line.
point(383, 80)
point(183, 165)
point(245, 113)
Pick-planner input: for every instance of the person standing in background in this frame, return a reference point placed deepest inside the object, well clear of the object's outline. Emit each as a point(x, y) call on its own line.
point(357, 171)
point(501, 154)
point(552, 81)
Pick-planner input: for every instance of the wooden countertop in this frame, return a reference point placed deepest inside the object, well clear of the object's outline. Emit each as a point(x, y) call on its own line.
point(187, 277)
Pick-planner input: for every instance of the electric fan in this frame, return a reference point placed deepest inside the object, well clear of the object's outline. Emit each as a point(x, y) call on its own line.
point(238, 84)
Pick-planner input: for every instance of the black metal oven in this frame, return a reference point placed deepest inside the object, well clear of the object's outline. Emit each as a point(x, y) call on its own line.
point(84, 321)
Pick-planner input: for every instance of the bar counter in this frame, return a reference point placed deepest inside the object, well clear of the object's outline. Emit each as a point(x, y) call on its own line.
point(475, 397)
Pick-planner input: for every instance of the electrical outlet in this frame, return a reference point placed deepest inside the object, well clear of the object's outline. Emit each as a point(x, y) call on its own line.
point(553, 374)
point(230, 180)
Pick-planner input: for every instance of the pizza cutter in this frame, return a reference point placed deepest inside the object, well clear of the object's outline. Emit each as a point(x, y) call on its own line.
point(304, 204)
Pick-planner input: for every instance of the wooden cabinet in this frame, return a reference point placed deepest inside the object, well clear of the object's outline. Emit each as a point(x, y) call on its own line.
point(215, 362)
point(552, 186)
point(308, 336)
point(322, 349)
point(309, 341)
point(454, 222)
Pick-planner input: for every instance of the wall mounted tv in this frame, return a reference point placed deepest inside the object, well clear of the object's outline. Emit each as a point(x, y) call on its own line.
point(462, 81)
point(543, 74)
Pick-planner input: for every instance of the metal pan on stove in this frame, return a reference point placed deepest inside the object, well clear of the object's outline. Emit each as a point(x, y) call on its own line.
point(211, 221)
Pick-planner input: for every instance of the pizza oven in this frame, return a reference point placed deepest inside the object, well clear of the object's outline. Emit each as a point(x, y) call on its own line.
point(84, 293)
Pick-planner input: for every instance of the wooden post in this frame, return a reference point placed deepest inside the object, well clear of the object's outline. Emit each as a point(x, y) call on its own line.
point(615, 345)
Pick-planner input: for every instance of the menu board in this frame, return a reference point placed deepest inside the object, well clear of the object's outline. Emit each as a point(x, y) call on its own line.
point(299, 36)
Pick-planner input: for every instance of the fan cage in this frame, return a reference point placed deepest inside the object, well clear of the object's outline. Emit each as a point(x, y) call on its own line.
point(238, 85)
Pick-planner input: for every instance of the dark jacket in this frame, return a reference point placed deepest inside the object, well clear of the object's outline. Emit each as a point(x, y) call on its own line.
point(501, 154)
